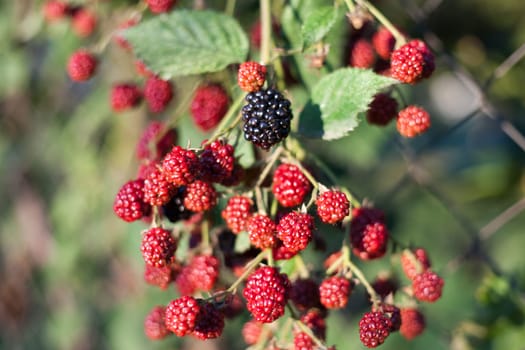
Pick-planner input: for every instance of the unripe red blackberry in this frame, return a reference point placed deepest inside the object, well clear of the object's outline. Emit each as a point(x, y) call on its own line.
point(156, 141)
point(81, 65)
point(209, 105)
point(295, 230)
point(266, 294)
point(381, 110)
point(158, 276)
point(384, 43)
point(262, 231)
point(267, 117)
point(160, 6)
point(158, 247)
point(129, 204)
point(125, 96)
point(427, 286)
point(204, 272)
point(157, 190)
point(374, 328)
point(315, 320)
point(302, 341)
point(200, 196)
point(412, 323)
point(334, 292)
point(216, 162)
point(251, 332)
point(209, 323)
point(290, 186)
point(414, 262)
point(251, 76)
point(280, 252)
point(368, 233)
point(154, 326)
point(184, 282)
point(412, 121)
point(236, 213)
point(412, 62)
point(180, 166)
point(361, 54)
point(332, 206)
point(304, 293)
point(181, 315)
point(157, 93)
point(84, 22)
point(54, 10)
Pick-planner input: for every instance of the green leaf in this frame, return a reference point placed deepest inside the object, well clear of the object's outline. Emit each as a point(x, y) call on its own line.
point(188, 42)
point(336, 101)
point(242, 242)
point(317, 24)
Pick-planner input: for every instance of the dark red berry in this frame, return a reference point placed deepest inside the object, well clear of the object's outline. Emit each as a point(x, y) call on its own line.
point(180, 166)
point(290, 186)
point(295, 230)
point(251, 76)
point(209, 105)
point(125, 96)
point(158, 247)
point(412, 121)
point(374, 328)
point(266, 294)
point(332, 206)
point(384, 43)
point(412, 323)
point(81, 65)
point(160, 6)
point(209, 323)
point(262, 231)
point(181, 315)
point(129, 204)
point(427, 286)
point(361, 54)
point(84, 22)
point(412, 62)
point(236, 213)
point(334, 292)
point(414, 262)
point(315, 320)
point(394, 314)
point(200, 196)
point(368, 233)
point(154, 326)
point(280, 252)
point(384, 286)
point(304, 293)
point(216, 162)
point(381, 110)
point(157, 93)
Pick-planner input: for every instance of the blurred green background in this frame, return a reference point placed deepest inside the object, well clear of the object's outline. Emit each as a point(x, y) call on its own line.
point(71, 272)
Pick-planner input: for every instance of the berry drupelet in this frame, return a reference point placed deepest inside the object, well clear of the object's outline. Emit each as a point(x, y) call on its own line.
point(266, 116)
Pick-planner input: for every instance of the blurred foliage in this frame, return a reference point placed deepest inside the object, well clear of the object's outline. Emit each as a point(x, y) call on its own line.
point(71, 272)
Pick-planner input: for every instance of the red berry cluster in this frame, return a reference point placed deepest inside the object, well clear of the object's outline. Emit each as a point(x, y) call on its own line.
point(275, 209)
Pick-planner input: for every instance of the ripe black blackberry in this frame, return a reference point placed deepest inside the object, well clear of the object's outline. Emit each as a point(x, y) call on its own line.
point(175, 210)
point(266, 117)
